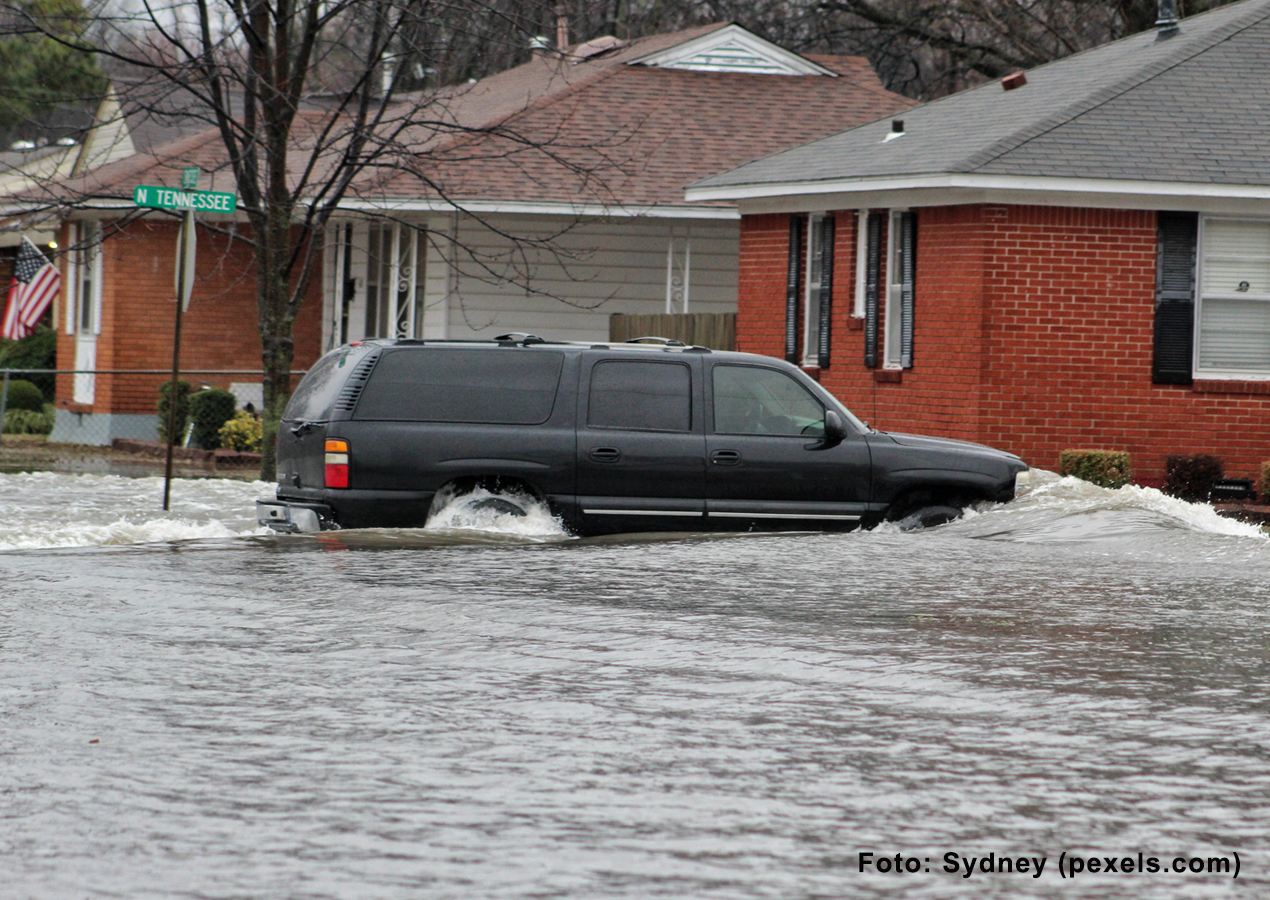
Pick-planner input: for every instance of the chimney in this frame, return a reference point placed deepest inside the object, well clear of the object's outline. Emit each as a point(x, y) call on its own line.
point(1166, 19)
point(562, 29)
point(538, 47)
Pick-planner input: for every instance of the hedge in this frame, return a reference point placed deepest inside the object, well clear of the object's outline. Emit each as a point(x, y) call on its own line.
point(209, 410)
point(1191, 477)
point(1105, 468)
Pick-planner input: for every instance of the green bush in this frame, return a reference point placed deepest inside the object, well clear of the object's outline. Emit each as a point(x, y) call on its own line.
point(182, 409)
point(1105, 468)
point(209, 410)
point(243, 432)
point(1191, 477)
point(1263, 483)
point(28, 421)
point(24, 395)
point(38, 350)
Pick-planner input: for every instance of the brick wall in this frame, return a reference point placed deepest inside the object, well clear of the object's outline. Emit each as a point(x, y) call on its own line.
point(218, 331)
point(1032, 332)
point(760, 305)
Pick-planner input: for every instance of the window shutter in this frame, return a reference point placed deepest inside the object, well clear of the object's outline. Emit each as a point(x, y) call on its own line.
point(908, 267)
point(872, 279)
point(791, 288)
point(826, 290)
point(1175, 298)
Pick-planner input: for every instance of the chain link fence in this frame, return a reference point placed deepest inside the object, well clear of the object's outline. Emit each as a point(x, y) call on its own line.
point(103, 407)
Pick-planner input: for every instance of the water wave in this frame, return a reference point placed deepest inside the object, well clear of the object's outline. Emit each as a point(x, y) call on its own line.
point(1057, 508)
point(481, 513)
point(52, 510)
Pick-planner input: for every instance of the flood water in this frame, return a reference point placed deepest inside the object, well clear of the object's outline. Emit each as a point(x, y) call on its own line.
point(491, 709)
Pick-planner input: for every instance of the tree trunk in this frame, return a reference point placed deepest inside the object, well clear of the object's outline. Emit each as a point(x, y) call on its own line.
point(277, 325)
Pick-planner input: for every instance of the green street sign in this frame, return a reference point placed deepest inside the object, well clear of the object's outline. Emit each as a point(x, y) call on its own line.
point(189, 178)
point(169, 198)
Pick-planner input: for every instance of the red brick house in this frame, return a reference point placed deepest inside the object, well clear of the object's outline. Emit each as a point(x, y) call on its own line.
point(1074, 257)
point(607, 133)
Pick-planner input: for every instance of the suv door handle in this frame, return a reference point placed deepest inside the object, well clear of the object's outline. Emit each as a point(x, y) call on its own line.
point(725, 457)
point(605, 454)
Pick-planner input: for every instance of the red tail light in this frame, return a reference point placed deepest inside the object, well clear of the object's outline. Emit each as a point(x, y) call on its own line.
point(337, 464)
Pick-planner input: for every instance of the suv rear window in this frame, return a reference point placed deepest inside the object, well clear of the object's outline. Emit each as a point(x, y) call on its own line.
point(492, 387)
point(317, 391)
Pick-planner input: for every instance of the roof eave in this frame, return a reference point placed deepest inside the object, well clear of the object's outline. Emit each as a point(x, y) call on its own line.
point(949, 188)
point(540, 207)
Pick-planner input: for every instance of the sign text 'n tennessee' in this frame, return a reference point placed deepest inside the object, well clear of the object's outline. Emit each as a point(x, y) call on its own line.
point(153, 197)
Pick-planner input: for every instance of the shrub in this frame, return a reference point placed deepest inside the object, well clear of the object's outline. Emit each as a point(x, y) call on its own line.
point(38, 350)
point(182, 409)
point(1105, 468)
point(24, 395)
point(209, 410)
point(243, 432)
point(1263, 483)
point(27, 421)
point(1191, 477)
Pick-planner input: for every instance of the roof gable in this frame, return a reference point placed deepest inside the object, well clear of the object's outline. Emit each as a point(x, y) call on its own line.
point(732, 49)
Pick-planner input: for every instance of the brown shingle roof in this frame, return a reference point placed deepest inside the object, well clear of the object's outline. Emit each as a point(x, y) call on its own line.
point(637, 135)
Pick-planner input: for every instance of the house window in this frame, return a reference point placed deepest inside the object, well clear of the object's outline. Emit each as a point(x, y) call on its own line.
point(811, 289)
point(85, 319)
point(1233, 319)
point(394, 282)
point(900, 267)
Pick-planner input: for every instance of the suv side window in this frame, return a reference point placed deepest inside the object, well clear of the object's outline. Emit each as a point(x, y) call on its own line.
point(640, 396)
point(754, 400)
point(498, 387)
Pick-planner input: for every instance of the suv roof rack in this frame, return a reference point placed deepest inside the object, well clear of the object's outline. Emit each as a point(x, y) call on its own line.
point(520, 337)
point(669, 342)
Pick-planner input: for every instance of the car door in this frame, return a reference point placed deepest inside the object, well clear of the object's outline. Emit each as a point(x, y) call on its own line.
point(641, 441)
point(767, 457)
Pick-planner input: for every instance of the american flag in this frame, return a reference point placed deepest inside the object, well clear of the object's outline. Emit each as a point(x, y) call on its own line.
point(35, 284)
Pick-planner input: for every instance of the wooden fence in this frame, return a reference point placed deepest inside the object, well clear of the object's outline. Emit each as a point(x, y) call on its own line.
point(714, 330)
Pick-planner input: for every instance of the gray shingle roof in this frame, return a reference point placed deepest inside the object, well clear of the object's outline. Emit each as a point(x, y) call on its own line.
point(1194, 107)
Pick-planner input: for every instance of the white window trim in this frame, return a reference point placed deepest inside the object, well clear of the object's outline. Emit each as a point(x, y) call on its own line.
point(1196, 370)
point(861, 262)
point(83, 233)
point(811, 290)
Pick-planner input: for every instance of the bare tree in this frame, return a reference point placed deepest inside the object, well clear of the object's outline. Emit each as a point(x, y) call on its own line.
point(927, 48)
point(309, 98)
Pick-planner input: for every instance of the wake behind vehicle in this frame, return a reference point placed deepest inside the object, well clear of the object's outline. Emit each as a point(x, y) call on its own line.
point(643, 436)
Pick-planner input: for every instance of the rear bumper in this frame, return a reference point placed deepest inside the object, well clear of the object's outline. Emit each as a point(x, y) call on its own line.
point(293, 518)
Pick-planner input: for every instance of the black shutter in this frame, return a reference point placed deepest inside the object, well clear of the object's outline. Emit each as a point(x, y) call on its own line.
point(908, 268)
point(1175, 298)
point(826, 290)
point(791, 288)
point(872, 279)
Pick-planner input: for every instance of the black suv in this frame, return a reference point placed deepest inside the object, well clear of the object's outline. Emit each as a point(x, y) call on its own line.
point(649, 435)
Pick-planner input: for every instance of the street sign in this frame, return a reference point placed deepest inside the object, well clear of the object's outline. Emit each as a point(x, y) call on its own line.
point(169, 198)
point(189, 178)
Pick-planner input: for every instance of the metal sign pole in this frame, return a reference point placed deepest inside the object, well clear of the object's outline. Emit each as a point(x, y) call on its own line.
point(184, 281)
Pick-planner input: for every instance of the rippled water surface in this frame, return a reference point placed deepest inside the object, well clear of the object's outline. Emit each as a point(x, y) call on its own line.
point(491, 709)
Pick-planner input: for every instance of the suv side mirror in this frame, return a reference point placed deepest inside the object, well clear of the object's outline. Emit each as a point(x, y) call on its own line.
point(835, 432)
